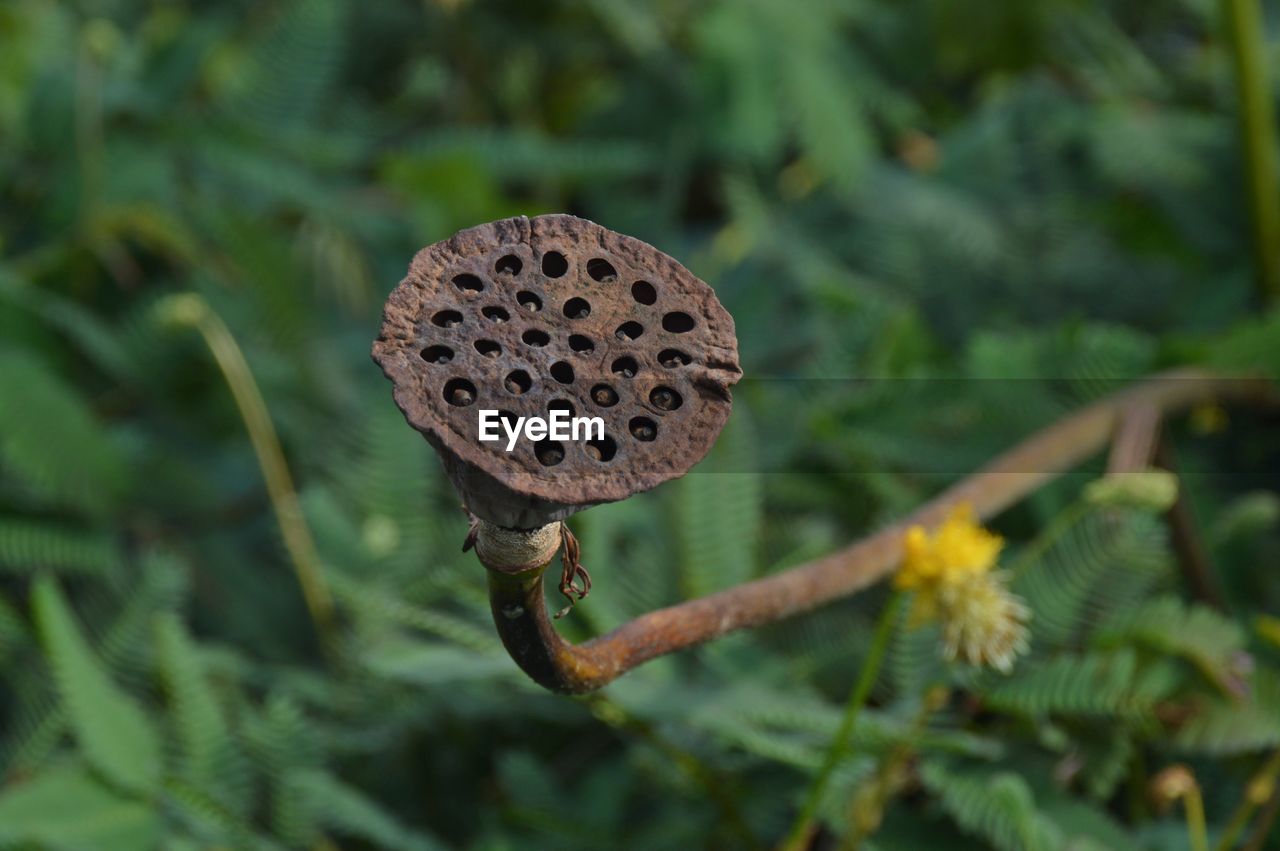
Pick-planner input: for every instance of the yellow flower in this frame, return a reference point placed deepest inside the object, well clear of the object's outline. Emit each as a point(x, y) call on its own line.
point(950, 572)
point(958, 549)
point(983, 622)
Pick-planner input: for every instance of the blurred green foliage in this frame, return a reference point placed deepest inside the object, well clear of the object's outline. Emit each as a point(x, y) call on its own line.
point(1003, 209)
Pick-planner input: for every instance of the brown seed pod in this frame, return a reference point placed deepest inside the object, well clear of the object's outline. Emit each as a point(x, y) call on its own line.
point(525, 315)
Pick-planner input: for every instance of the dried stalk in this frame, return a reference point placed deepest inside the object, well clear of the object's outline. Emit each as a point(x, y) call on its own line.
point(193, 311)
point(525, 627)
point(1188, 544)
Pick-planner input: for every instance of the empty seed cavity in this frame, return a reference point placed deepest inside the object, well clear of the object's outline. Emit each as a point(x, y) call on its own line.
point(604, 395)
point(673, 358)
point(517, 382)
point(548, 452)
point(665, 399)
point(468, 283)
point(629, 331)
point(535, 337)
point(495, 314)
point(626, 367)
point(508, 264)
point(601, 450)
point(561, 371)
point(577, 308)
point(580, 344)
point(459, 392)
point(643, 429)
point(562, 405)
point(437, 354)
point(601, 270)
point(446, 319)
point(554, 265)
point(529, 301)
point(488, 348)
point(677, 322)
point(643, 292)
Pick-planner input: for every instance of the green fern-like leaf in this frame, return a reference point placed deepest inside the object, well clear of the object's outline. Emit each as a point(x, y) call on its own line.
point(1210, 641)
point(398, 658)
point(1106, 758)
point(996, 805)
point(1099, 565)
point(374, 603)
point(914, 661)
point(128, 644)
point(30, 546)
point(208, 757)
point(1099, 684)
point(99, 343)
point(795, 728)
point(49, 441)
point(350, 813)
point(621, 537)
point(1241, 725)
point(283, 744)
point(65, 807)
point(1085, 827)
point(1252, 346)
point(1098, 358)
point(35, 727)
point(211, 821)
point(292, 63)
point(718, 515)
point(117, 737)
point(399, 522)
point(13, 630)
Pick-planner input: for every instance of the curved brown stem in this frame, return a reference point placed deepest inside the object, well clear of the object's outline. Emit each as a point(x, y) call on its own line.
point(527, 632)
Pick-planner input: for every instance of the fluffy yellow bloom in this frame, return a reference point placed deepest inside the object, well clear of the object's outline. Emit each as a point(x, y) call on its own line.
point(958, 549)
point(983, 622)
point(950, 572)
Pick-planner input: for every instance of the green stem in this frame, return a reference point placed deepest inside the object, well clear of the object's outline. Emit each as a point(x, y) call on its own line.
point(1258, 136)
point(803, 826)
point(1257, 792)
point(888, 783)
point(192, 310)
point(1262, 830)
point(1193, 803)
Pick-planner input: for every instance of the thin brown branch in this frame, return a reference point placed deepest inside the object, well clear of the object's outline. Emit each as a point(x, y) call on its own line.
point(520, 612)
point(1134, 443)
point(1192, 555)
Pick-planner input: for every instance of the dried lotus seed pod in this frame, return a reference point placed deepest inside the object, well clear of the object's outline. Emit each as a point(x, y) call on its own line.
point(524, 316)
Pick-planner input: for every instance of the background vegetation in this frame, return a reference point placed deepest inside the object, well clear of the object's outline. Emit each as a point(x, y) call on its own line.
point(1002, 209)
